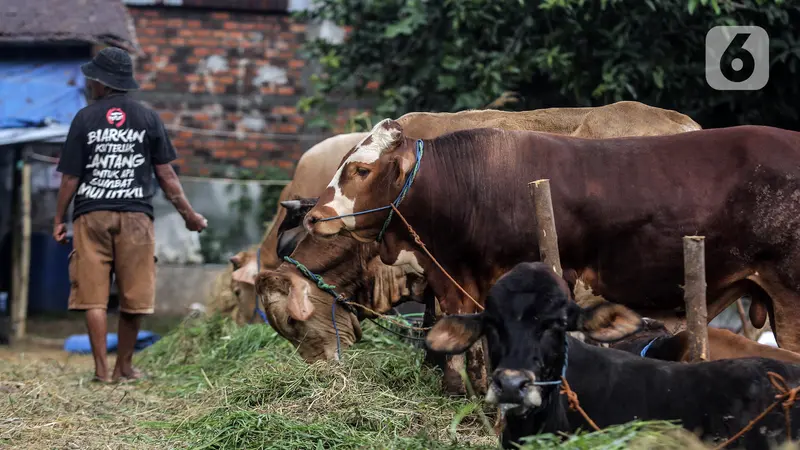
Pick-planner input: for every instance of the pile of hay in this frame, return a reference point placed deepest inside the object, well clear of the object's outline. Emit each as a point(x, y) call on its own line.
point(216, 385)
point(249, 390)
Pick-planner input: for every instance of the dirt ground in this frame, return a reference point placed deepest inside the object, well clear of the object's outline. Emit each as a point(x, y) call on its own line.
point(48, 401)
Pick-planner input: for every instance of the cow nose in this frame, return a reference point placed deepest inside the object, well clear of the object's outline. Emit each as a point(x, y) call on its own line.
point(512, 383)
point(310, 220)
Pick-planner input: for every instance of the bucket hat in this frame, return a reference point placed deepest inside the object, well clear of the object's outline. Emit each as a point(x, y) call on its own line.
point(112, 67)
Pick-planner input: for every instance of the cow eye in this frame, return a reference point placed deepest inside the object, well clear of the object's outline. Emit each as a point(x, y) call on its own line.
point(362, 172)
point(290, 321)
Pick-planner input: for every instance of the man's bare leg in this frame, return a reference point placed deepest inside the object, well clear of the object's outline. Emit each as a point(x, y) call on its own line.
point(97, 326)
point(128, 331)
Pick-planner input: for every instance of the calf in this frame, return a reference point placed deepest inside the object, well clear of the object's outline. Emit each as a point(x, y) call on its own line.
point(655, 341)
point(528, 314)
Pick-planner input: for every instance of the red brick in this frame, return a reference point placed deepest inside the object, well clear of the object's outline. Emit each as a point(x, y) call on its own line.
point(286, 90)
point(286, 128)
point(250, 163)
point(297, 63)
point(220, 15)
point(194, 23)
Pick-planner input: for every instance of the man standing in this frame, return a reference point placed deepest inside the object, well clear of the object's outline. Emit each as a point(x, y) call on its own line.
point(112, 150)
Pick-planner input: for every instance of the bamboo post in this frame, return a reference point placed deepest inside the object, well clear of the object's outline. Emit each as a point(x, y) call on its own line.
point(545, 224)
point(694, 267)
point(19, 304)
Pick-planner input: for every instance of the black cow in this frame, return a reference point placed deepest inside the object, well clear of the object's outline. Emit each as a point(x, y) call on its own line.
point(291, 230)
point(527, 317)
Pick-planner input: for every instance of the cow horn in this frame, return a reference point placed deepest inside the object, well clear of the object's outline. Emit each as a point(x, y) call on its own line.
point(291, 205)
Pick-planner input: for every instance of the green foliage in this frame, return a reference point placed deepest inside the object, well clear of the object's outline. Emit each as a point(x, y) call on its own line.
point(452, 55)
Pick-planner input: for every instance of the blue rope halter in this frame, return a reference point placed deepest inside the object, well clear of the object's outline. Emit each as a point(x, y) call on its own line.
point(406, 186)
point(563, 368)
point(258, 297)
point(647, 347)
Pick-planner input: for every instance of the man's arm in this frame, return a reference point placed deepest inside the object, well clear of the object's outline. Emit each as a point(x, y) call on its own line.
point(71, 165)
point(69, 185)
point(168, 180)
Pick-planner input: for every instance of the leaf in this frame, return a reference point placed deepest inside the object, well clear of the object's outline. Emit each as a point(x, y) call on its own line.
point(451, 63)
point(404, 27)
point(658, 77)
point(447, 82)
point(462, 412)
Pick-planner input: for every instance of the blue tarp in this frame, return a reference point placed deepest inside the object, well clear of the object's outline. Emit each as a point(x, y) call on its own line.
point(79, 343)
point(33, 90)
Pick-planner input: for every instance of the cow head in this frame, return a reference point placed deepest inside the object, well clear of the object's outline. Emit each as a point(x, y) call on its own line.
point(301, 312)
point(371, 175)
point(291, 230)
point(245, 268)
point(528, 313)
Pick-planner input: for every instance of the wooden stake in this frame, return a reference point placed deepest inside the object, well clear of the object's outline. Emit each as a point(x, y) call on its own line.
point(694, 267)
point(19, 304)
point(545, 224)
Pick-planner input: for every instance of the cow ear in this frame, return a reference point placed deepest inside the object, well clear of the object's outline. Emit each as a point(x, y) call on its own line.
point(288, 240)
point(236, 260)
point(455, 334)
point(606, 322)
point(299, 306)
point(247, 273)
point(389, 133)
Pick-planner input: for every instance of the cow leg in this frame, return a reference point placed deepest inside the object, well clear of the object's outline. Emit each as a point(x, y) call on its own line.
point(476, 367)
point(432, 314)
point(451, 375)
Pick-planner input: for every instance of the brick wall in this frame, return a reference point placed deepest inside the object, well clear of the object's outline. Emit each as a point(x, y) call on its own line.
point(226, 84)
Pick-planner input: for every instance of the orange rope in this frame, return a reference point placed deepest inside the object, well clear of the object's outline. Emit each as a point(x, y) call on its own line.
point(785, 396)
point(425, 249)
point(574, 404)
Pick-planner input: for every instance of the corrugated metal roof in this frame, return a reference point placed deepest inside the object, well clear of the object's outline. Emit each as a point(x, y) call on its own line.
point(92, 21)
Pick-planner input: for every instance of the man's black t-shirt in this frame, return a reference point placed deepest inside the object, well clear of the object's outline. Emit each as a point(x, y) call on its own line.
point(112, 146)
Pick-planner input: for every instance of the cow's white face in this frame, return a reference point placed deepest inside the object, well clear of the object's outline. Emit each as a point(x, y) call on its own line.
point(366, 179)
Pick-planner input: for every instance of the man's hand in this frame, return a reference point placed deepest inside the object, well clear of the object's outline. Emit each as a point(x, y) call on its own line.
point(195, 222)
point(60, 233)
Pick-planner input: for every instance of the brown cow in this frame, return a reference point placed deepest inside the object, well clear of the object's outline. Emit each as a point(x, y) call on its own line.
point(622, 206)
point(655, 341)
point(245, 269)
point(622, 118)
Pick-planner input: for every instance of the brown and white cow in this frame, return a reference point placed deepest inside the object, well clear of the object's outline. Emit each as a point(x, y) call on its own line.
point(241, 284)
point(285, 291)
point(313, 170)
point(621, 206)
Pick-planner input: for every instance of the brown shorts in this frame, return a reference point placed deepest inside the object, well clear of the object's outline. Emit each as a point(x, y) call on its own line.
point(122, 242)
